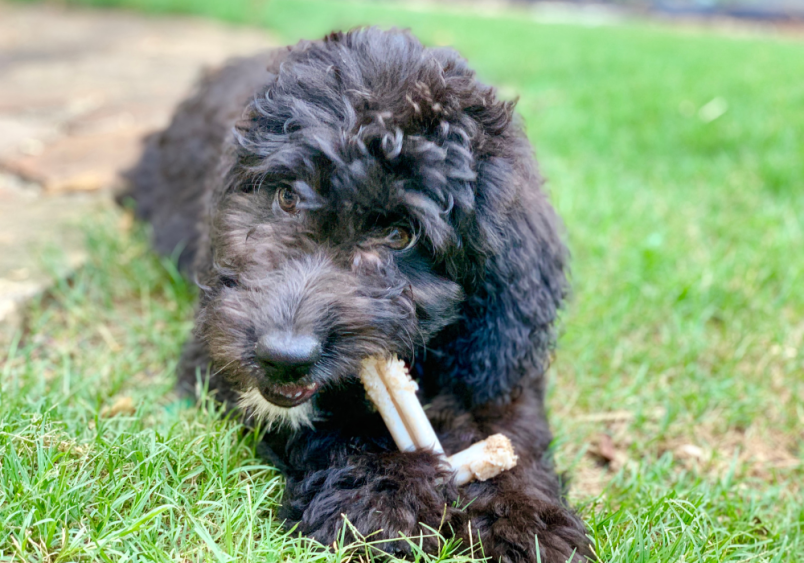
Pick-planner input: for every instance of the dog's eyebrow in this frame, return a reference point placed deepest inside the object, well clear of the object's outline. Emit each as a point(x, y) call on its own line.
point(309, 198)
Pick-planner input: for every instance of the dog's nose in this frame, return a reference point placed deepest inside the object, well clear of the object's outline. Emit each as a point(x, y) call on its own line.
point(288, 352)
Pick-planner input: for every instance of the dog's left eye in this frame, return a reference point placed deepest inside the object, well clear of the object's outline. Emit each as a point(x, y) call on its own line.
point(399, 238)
point(287, 199)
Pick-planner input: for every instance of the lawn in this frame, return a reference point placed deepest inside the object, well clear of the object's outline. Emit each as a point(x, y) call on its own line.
point(676, 159)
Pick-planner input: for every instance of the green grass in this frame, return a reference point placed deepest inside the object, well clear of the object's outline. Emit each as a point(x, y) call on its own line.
point(677, 162)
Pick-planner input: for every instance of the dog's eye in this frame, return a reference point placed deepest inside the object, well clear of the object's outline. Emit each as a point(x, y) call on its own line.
point(399, 238)
point(228, 281)
point(287, 199)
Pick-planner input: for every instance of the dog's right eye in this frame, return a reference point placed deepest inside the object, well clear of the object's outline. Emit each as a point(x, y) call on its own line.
point(228, 281)
point(287, 199)
point(399, 238)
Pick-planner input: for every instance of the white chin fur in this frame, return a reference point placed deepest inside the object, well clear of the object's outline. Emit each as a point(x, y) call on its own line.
point(254, 404)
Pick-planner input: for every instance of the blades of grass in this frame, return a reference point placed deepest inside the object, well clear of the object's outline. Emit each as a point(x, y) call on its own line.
point(202, 532)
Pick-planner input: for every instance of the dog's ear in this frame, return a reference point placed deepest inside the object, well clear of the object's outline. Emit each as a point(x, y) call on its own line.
point(506, 331)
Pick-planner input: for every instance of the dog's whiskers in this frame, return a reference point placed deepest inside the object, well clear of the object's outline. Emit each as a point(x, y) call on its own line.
point(221, 369)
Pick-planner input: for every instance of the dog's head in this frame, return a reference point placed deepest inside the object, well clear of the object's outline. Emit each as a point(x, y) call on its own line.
point(372, 192)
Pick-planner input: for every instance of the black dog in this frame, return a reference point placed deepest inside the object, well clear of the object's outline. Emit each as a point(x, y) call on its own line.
point(371, 198)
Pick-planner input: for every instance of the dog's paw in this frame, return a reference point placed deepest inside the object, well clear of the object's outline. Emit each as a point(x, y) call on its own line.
point(383, 496)
point(517, 527)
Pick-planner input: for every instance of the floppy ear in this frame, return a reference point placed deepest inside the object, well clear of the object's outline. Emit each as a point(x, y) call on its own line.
point(506, 331)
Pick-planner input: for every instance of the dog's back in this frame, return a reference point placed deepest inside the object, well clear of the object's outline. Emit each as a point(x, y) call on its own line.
point(169, 184)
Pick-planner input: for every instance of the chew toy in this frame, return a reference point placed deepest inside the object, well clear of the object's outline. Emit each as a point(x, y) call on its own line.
point(393, 392)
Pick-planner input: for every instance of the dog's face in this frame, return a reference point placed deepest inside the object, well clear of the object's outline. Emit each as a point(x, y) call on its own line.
point(346, 223)
point(310, 281)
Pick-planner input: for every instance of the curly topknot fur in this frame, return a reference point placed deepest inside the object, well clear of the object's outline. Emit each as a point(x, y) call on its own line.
point(372, 198)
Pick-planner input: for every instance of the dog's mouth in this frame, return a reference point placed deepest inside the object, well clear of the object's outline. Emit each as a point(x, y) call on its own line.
point(289, 395)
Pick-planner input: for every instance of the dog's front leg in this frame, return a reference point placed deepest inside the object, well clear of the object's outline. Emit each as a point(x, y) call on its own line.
point(382, 492)
point(520, 515)
point(516, 518)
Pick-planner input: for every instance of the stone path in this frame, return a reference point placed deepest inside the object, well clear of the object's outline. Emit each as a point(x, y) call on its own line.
point(78, 90)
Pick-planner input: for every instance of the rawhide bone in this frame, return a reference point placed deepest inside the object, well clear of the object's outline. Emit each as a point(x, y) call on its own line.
point(393, 392)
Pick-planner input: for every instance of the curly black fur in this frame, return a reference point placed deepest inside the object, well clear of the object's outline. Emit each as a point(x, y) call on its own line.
point(366, 132)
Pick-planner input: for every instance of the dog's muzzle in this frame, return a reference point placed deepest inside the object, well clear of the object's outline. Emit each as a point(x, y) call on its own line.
point(287, 359)
point(288, 395)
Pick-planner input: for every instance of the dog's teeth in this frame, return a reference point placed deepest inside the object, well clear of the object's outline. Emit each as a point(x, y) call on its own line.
point(311, 386)
point(298, 394)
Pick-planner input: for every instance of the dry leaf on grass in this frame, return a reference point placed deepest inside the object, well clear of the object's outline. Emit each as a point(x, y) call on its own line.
point(690, 451)
point(605, 452)
point(72, 448)
point(109, 338)
point(122, 405)
point(126, 223)
point(65, 446)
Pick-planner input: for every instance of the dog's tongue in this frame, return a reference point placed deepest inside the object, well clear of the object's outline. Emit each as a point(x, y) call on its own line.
point(290, 395)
